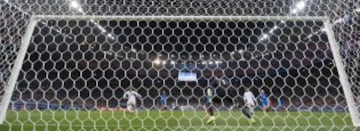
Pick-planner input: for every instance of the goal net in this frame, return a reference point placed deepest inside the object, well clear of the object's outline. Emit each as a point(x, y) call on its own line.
point(67, 65)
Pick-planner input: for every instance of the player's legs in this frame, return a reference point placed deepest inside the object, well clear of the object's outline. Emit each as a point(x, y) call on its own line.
point(210, 113)
point(250, 113)
point(130, 106)
point(265, 106)
point(162, 104)
point(246, 112)
point(209, 109)
point(165, 104)
point(251, 106)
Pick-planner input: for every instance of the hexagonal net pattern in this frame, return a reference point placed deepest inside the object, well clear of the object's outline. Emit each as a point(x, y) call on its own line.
point(78, 62)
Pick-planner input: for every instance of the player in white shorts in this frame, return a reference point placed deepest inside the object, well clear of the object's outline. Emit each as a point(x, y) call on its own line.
point(250, 104)
point(131, 102)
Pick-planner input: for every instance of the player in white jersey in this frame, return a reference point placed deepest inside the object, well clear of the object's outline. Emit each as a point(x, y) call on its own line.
point(131, 102)
point(250, 104)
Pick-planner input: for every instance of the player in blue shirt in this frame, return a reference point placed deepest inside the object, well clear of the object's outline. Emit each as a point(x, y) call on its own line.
point(281, 102)
point(163, 100)
point(265, 102)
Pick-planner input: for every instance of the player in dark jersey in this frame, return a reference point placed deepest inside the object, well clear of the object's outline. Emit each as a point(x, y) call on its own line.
point(209, 107)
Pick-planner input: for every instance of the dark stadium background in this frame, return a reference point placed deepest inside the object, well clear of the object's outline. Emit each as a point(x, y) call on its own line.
point(94, 68)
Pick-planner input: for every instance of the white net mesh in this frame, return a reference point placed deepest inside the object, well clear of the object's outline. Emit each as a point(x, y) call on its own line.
point(76, 69)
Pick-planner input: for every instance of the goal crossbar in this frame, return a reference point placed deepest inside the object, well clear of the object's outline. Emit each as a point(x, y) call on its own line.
point(163, 17)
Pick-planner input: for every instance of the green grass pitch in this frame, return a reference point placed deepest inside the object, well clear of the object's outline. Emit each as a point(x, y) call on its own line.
point(172, 120)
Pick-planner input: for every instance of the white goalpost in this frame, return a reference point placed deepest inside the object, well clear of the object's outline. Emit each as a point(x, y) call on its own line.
point(105, 57)
point(9, 89)
point(335, 49)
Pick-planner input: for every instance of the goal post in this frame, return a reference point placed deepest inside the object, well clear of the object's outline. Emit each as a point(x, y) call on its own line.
point(335, 49)
point(9, 88)
point(333, 45)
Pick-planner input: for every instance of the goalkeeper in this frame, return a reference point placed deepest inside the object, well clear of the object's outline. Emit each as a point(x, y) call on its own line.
point(209, 109)
point(131, 100)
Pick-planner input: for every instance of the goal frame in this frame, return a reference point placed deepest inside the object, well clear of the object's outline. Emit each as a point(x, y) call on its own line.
point(335, 48)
